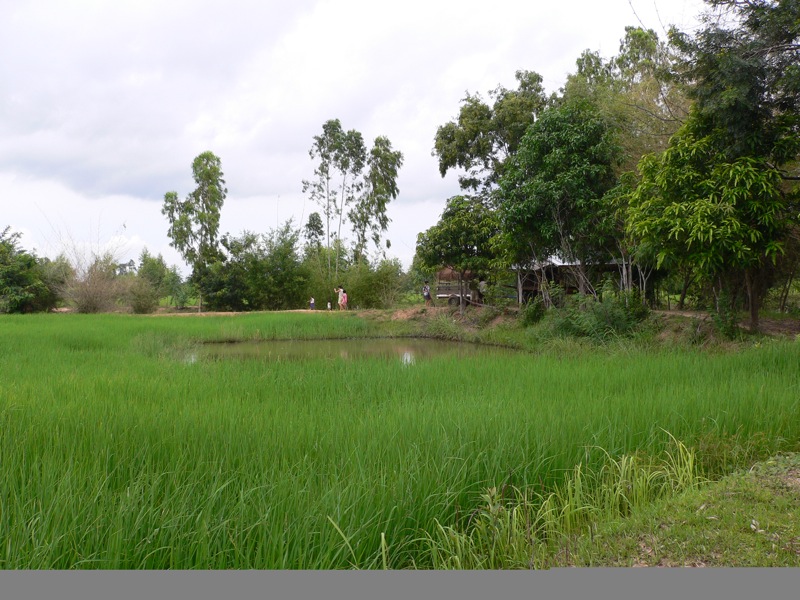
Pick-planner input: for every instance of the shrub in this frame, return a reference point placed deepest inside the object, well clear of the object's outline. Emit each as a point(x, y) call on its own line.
point(617, 314)
point(95, 289)
point(532, 312)
point(142, 296)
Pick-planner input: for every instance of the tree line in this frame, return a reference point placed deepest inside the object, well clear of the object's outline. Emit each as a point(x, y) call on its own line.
point(277, 270)
point(676, 161)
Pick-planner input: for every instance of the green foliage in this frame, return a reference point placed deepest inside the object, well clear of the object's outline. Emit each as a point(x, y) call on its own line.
point(194, 222)
point(368, 215)
point(745, 79)
point(704, 211)
point(481, 139)
point(314, 232)
point(155, 271)
point(343, 190)
point(552, 191)
point(616, 314)
point(142, 295)
point(24, 282)
point(376, 285)
point(258, 273)
point(462, 239)
point(635, 93)
point(532, 312)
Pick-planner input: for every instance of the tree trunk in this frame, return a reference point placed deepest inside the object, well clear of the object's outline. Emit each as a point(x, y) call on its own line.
point(751, 283)
point(461, 298)
point(687, 281)
point(785, 292)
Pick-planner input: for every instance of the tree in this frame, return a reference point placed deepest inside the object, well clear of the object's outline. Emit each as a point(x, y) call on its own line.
point(635, 92)
point(744, 71)
point(155, 271)
point(718, 197)
point(343, 190)
point(314, 231)
point(462, 239)
point(722, 216)
point(23, 280)
point(258, 272)
point(369, 212)
point(482, 137)
point(341, 156)
point(194, 222)
point(553, 188)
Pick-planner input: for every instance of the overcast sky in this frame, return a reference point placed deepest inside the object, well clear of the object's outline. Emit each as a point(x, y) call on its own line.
point(104, 104)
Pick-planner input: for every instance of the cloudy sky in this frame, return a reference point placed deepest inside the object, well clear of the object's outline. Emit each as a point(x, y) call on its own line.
point(105, 103)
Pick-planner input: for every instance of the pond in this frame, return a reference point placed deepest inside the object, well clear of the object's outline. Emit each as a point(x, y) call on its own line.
point(406, 350)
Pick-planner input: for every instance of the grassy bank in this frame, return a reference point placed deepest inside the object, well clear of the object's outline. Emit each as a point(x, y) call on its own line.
point(119, 452)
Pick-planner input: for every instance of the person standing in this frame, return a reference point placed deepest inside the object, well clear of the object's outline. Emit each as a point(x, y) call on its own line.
point(426, 293)
point(311, 303)
point(344, 300)
point(340, 292)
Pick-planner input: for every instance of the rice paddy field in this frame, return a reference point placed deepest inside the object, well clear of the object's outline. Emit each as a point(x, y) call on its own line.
point(121, 449)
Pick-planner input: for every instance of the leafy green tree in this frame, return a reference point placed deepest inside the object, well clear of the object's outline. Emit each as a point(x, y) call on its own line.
point(744, 71)
point(154, 270)
point(369, 213)
point(287, 278)
point(351, 184)
point(462, 239)
point(194, 222)
point(258, 273)
point(701, 209)
point(23, 285)
point(374, 285)
point(553, 188)
point(635, 92)
point(482, 137)
point(719, 198)
point(314, 232)
point(341, 157)
point(178, 290)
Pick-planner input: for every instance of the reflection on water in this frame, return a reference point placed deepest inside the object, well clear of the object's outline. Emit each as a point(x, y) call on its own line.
point(406, 350)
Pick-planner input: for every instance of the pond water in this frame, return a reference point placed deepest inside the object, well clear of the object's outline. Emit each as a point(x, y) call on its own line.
point(405, 350)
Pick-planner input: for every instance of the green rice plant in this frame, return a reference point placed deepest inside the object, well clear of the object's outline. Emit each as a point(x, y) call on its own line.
point(118, 452)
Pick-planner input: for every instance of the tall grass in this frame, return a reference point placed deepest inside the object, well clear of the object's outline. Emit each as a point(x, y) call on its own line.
point(118, 452)
point(514, 528)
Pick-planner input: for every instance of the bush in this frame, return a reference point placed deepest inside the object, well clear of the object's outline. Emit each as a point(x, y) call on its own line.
point(532, 312)
point(142, 296)
point(25, 285)
point(96, 288)
point(725, 317)
point(584, 316)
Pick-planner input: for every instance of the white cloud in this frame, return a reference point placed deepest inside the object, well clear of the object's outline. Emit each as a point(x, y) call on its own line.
point(104, 105)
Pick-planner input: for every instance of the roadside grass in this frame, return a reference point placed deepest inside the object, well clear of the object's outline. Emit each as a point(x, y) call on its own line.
point(118, 451)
